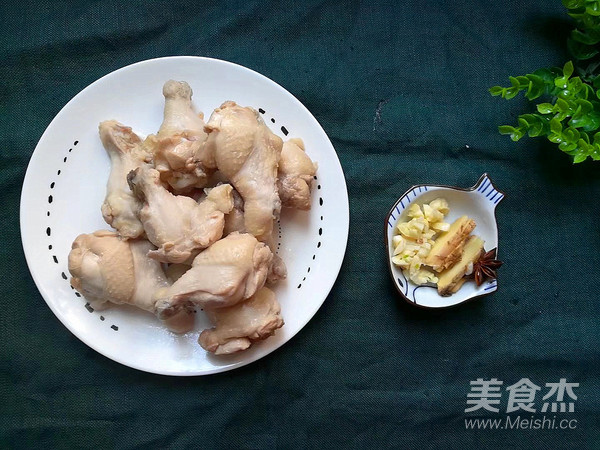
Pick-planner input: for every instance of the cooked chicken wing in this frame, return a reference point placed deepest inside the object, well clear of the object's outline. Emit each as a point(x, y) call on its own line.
point(227, 272)
point(107, 269)
point(179, 140)
point(295, 175)
point(234, 221)
point(243, 148)
point(176, 224)
point(237, 326)
point(121, 208)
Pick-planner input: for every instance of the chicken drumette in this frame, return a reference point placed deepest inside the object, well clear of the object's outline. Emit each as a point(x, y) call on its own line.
point(127, 152)
point(179, 141)
point(108, 269)
point(237, 326)
point(178, 225)
point(242, 147)
point(295, 175)
point(229, 271)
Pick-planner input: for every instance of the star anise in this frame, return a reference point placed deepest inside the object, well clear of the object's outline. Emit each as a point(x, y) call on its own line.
point(486, 267)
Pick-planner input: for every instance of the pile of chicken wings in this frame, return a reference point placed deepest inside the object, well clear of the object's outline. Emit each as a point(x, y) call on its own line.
point(194, 208)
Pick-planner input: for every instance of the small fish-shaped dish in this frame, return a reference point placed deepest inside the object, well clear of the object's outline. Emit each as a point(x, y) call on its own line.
point(479, 203)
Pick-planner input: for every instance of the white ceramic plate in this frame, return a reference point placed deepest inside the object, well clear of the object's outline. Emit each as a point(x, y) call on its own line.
point(478, 202)
point(65, 186)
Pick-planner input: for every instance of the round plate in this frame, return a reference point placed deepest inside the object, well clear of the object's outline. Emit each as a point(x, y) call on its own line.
point(65, 185)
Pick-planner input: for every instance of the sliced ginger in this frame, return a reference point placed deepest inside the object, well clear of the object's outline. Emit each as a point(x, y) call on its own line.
point(449, 278)
point(446, 248)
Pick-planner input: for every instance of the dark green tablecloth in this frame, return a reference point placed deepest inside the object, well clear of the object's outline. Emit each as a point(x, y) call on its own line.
point(368, 371)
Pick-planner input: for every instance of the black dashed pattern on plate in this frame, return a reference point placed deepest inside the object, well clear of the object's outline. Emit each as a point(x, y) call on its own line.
point(63, 275)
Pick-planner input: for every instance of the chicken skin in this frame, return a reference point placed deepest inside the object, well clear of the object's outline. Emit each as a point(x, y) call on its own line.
point(229, 271)
point(108, 269)
point(234, 221)
point(179, 140)
point(127, 152)
point(176, 224)
point(295, 175)
point(242, 147)
point(236, 327)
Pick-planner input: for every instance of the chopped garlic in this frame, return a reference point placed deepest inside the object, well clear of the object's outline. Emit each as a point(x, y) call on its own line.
point(412, 247)
point(415, 266)
point(425, 276)
point(407, 231)
point(441, 226)
point(418, 224)
point(423, 252)
point(397, 240)
point(429, 234)
point(441, 205)
point(400, 246)
point(402, 261)
point(432, 215)
point(414, 239)
point(414, 211)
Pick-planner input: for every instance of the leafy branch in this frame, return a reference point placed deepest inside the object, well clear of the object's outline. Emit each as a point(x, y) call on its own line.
point(571, 116)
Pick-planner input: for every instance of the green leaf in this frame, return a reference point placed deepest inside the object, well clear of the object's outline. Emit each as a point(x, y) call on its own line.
point(517, 135)
point(595, 153)
point(545, 108)
point(536, 88)
point(580, 122)
point(567, 146)
point(586, 91)
point(593, 10)
point(510, 93)
point(568, 69)
point(556, 138)
point(583, 38)
point(556, 126)
point(581, 51)
point(580, 157)
point(561, 82)
point(585, 106)
point(562, 105)
point(506, 129)
point(535, 130)
point(573, 4)
point(575, 85)
point(594, 121)
point(523, 123)
point(496, 90)
point(571, 135)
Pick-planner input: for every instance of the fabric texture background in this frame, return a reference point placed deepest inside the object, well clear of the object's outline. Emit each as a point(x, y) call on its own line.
point(368, 371)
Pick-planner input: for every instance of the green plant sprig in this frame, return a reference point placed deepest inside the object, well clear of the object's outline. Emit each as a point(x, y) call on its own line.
point(571, 117)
